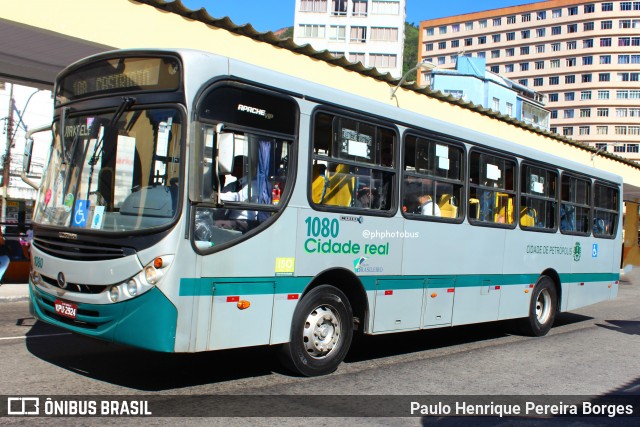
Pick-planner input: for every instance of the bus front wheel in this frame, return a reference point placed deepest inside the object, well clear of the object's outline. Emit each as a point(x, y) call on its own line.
point(321, 332)
point(542, 311)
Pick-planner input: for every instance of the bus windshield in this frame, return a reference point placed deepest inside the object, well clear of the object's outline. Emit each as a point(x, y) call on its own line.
point(117, 171)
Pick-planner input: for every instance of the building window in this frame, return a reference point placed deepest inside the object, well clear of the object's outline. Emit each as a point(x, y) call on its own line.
point(509, 109)
point(584, 130)
point(442, 30)
point(541, 32)
point(509, 52)
point(587, 60)
point(508, 68)
point(339, 7)
point(359, 8)
point(569, 96)
point(556, 31)
point(313, 6)
point(556, 47)
point(604, 77)
point(442, 60)
point(602, 130)
point(607, 7)
point(430, 32)
point(383, 60)
point(624, 41)
point(619, 148)
point(495, 69)
point(356, 57)
point(635, 41)
point(571, 62)
point(495, 104)
point(540, 48)
point(511, 19)
point(553, 129)
point(603, 112)
point(385, 7)
point(495, 54)
point(554, 114)
point(621, 112)
point(625, 23)
point(568, 114)
point(539, 65)
point(605, 42)
point(567, 130)
point(311, 31)
point(572, 28)
point(468, 42)
point(553, 97)
point(585, 112)
point(556, 13)
point(588, 26)
point(587, 43)
point(553, 81)
point(388, 34)
point(511, 36)
point(455, 43)
point(625, 5)
point(482, 40)
point(482, 23)
point(605, 59)
point(589, 8)
point(524, 50)
point(525, 17)
point(496, 38)
point(541, 16)
point(455, 28)
point(606, 25)
point(428, 47)
point(358, 35)
point(623, 77)
point(555, 63)
point(497, 22)
point(441, 45)
point(587, 78)
point(622, 94)
point(603, 94)
point(468, 26)
point(482, 54)
point(338, 33)
point(570, 79)
point(572, 45)
point(585, 95)
point(538, 81)
point(621, 130)
point(524, 66)
point(572, 10)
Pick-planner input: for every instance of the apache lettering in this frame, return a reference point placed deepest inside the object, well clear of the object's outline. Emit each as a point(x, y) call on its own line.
point(252, 110)
point(78, 130)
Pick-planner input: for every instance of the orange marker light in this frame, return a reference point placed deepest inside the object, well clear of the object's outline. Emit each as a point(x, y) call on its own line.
point(433, 295)
point(158, 263)
point(243, 304)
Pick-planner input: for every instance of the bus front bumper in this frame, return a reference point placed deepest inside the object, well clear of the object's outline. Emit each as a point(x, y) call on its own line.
point(148, 321)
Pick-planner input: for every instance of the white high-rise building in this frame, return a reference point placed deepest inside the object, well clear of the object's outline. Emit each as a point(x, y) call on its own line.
point(366, 31)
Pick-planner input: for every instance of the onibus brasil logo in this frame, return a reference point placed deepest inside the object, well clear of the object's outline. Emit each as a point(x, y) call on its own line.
point(361, 266)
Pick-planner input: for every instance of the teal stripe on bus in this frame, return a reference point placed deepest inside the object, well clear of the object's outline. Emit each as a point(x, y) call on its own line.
point(226, 286)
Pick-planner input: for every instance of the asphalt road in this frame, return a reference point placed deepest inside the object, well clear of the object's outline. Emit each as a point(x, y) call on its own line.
point(589, 352)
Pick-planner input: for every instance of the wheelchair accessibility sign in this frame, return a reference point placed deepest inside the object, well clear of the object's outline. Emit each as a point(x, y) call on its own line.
point(594, 250)
point(81, 214)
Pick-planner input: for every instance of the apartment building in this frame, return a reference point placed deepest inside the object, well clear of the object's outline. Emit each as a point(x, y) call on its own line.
point(583, 55)
point(366, 31)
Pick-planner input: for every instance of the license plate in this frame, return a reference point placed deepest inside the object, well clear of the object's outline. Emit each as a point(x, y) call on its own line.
point(66, 309)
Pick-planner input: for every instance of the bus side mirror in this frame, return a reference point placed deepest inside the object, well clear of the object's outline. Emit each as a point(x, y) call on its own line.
point(28, 151)
point(226, 142)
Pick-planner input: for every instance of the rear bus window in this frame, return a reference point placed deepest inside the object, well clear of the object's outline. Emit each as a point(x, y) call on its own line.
point(491, 189)
point(538, 198)
point(605, 212)
point(575, 205)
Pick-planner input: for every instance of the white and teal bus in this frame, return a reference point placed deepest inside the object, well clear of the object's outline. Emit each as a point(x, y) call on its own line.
point(348, 215)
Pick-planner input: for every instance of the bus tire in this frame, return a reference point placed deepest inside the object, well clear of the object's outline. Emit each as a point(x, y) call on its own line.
point(542, 310)
point(321, 332)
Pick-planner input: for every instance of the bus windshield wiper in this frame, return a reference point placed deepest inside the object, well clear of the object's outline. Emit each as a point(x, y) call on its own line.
point(126, 103)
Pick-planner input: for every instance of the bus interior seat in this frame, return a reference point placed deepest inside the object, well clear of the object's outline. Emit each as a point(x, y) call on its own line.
point(504, 204)
point(319, 183)
point(567, 218)
point(447, 207)
point(528, 217)
point(340, 187)
point(474, 208)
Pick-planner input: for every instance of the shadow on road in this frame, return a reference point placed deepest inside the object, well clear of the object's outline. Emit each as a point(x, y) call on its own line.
point(150, 371)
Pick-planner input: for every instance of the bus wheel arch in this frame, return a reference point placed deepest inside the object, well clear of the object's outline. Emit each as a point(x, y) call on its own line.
point(351, 286)
point(543, 307)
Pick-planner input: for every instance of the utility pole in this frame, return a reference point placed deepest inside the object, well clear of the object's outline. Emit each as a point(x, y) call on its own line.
point(7, 157)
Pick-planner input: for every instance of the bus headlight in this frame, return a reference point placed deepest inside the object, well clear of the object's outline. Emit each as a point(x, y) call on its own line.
point(114, 294)
point(150, 275)
point(132, 288)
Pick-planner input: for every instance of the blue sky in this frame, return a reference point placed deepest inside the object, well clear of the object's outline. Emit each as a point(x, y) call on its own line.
point(271, 15)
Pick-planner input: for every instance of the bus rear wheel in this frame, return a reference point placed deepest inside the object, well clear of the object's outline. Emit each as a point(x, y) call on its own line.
point(321, 332)
point(542, 311)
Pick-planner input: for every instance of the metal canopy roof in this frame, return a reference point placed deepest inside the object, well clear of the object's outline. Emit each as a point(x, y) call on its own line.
point(33, 57)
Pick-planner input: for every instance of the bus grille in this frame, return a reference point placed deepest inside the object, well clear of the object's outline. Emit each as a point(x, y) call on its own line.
point(81, 251)
point(48, 306)
point(76, 287)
